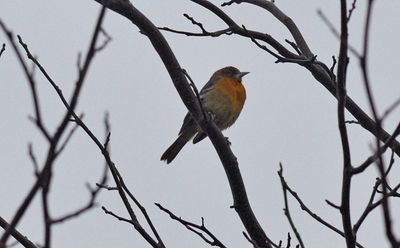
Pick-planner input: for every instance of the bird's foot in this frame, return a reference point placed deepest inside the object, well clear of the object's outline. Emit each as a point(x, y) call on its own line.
point(211, 115)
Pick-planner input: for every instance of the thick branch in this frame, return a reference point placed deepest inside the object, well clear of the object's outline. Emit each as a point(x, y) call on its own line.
point(318, 71)
point(24, 241)
point(341, 96)
point(286, 20)
point(241, 203)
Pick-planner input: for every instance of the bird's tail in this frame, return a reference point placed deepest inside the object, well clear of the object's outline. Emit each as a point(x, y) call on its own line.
point(177, 146)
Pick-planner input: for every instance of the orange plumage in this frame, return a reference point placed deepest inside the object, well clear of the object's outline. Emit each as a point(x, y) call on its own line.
point(223, 97)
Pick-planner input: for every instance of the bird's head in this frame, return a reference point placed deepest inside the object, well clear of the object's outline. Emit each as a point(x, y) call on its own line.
point(231, 71)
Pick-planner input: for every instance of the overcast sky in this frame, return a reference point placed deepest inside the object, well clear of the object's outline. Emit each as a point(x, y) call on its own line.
point(288, 117)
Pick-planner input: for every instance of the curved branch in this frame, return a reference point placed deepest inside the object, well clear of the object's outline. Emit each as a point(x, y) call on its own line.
point(200, 230)
point(317, 70)
point(229, 161)
point(282, 17)
point(342, 97)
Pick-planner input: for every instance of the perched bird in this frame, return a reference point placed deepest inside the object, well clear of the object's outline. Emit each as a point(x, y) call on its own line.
point(223, 97)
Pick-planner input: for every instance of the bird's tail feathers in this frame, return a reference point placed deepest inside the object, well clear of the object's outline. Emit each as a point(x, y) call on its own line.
point(177, 146)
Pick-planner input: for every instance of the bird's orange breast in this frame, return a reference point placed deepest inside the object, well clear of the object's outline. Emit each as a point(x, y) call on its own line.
point(234, 91)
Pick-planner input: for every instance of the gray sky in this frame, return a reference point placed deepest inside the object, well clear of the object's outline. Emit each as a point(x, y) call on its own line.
point(288, 117)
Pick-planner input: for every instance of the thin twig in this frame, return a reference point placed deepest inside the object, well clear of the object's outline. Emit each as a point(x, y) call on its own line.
point(251, 241)
point(31, 82)
point(351, 10)
point(53, 141)
point(3, 48)
point(371, 205)
point(379, 152)
point(294, 45)
point(352, 122)
point(33, 159)
point(107, 40)
point(389, 110)
point(279, 58)
point(106, 211)
point(335, 206)
point(363, 60)
point(199, 230)
point(90, 204)
point(333, 68)
point(196, 92)
point(104, 186)
point(312, 214)
point(204, 32)
point(68, 138)
point(334, 31)
point(286, 209)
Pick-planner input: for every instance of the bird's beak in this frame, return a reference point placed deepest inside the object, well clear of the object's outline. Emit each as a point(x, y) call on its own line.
point(242, 74)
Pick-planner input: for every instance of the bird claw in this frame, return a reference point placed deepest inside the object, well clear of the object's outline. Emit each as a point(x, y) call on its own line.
point(227, 141)
point(211, 115)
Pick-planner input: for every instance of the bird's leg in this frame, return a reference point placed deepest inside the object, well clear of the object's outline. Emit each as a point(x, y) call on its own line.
point(227, 141)
point(211, 115)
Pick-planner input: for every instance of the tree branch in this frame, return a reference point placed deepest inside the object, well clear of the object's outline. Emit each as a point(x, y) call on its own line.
point(229, 161)
point(55, 139)
point(341, 96)
point(286, 209)
point(23, 240)
point(317, 69)
point(3, 48)
point(311, 213)
point(199, 230)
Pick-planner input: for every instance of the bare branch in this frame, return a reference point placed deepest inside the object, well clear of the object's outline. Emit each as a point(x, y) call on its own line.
point(342, 97)
point(318, 69)
point(204, 32)
point(104, 186)
point(333, 30)
point(333, 68)
point(43, 176)
point(371, 205)
point(107, 40)
point(280, 59)
point(196, 92)
point(116, 216)
point(252, 242)
point(30, 79)
point(312, 214)
point(91, 202)
point(3, 48)
point(378, 153)
point(67, 139)
point(335, 206)
point(229, 161)
point(23, 240)
point(285, 20)
point(390, 109)
point(199, 230)
point(286, 209)
point(33, 159)
point(380, 164)
point(353, 122)
point(351, 10)
point(294, 45)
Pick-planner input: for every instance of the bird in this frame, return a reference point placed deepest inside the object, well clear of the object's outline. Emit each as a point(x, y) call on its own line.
point(223, 97)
